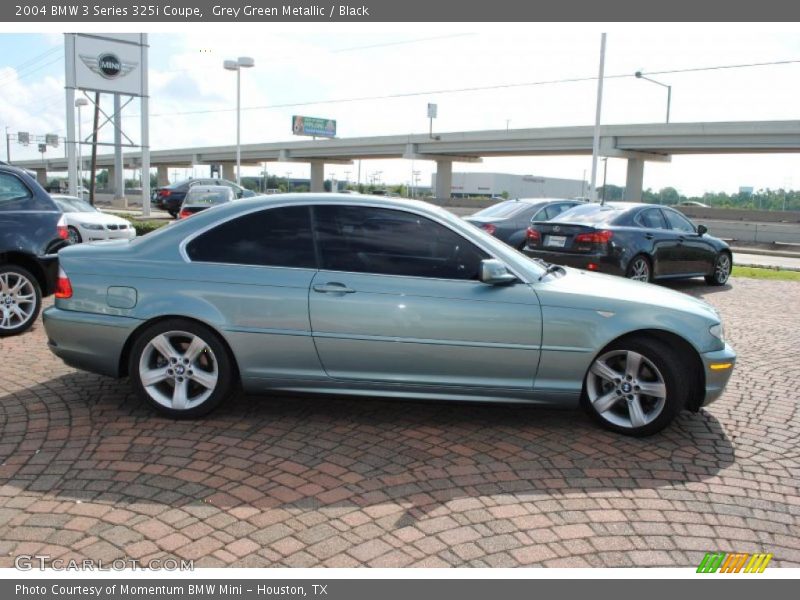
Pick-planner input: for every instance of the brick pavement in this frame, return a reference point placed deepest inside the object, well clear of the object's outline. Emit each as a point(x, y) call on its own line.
point(88, 471)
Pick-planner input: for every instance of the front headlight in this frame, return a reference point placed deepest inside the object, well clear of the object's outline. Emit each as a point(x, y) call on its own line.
point(718, 331)
point(92, 226)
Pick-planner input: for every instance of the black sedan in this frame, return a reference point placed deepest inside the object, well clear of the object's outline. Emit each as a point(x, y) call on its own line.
point(639, 241)
point(509, 220)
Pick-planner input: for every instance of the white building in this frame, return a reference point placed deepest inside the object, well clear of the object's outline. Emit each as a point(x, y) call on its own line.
point(515, 186)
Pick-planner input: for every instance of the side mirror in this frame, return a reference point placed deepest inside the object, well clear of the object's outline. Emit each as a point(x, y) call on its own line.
point(702, 230)
point(494, 272)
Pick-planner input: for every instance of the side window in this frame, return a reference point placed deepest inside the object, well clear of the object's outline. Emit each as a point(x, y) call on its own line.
point(277, 237)
point(14, 194)
point(554, 210)
point(679, 222)
point(651, 219)
point(391, 242)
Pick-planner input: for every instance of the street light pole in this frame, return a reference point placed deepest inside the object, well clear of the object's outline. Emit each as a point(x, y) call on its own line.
point(605, 172)
point(79, 103)
point(639, 75)
point(243, 62)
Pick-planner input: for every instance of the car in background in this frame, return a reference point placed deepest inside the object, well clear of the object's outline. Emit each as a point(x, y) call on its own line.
point(508, 220)
point(362, 295)
point(32, 230)
point(85, 223)
point(201, 197)
point(645, 242)
point(694, 203)
point(170, 197)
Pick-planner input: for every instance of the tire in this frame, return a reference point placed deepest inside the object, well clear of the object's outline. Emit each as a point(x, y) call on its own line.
point(173, 213)
point(722, 270)
point(20, 300)
point(179, 352)
point(619, 404)
point(640, 269)
point(74, 235)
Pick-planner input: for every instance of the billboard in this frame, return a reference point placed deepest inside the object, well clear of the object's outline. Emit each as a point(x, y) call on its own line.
point(107, 64)
point(313, 126)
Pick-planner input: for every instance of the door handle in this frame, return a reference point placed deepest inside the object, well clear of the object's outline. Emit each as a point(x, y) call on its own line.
point(333, 287)
point(649, 236)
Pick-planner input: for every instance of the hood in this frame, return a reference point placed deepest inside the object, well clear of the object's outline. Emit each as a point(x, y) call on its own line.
point(94, 217)
point(596, 291)
point(480, 220)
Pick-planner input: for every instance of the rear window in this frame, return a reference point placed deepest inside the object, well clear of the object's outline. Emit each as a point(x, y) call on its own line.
point(503, 210)
point(15, 195)
point(207, 198)
point(591, 214)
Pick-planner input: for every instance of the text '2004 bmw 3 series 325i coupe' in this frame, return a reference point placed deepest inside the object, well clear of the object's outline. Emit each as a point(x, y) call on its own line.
point(377, 297)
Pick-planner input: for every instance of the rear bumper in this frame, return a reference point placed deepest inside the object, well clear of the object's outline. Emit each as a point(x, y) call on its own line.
point(88, 341)
point(603, 262)
point(718, 367)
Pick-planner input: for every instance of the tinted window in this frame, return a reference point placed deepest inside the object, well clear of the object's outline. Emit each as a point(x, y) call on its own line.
point(13, 193)
point(208, 197)
point(278, 237)
point(652, 219)
point(552, 211)
point(679, 222)
point(390, 242)
point(503, 210)
point(592, 214)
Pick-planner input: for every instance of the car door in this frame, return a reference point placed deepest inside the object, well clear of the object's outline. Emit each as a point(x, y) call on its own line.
point(255, 271)
point(697, 253)
point(659, 241)
point(397, 299)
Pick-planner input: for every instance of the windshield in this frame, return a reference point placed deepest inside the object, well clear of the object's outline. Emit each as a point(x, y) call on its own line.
point(503, 210)
point(590, 214)
point(74, 205)
point(208, 197)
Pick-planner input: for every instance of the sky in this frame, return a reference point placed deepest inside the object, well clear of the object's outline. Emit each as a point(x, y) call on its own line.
point(298, 68)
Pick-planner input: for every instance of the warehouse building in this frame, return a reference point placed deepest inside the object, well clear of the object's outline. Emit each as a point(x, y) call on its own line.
point(472, 185)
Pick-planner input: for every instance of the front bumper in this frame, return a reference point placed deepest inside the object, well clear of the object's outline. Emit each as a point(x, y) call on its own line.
point(603, 263)
point(88, 341)
point(718, 366)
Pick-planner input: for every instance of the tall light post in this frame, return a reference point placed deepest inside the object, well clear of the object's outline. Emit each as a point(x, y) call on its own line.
point(605, 172)
point(79, 102)
point(639, 75)
point(243, 62)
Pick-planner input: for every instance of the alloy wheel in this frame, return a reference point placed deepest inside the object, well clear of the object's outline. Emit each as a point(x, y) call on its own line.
point(639, 270)
point(17, 300)
point(73, 235)
point(722, 270)
point(626, 389)
point(178, 370)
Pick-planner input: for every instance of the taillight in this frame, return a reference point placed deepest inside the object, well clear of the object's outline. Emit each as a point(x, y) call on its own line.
point(598, 237)
point(61, 228)
point(185, 213)
point(533, 235)
point(489, 228)
point(63, 286)
point(164, 193)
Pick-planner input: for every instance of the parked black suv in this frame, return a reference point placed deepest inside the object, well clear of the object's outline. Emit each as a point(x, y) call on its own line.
point(170, 197)
point(32, 231)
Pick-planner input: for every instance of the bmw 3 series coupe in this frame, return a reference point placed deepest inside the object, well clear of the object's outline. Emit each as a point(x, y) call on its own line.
point(370, 296)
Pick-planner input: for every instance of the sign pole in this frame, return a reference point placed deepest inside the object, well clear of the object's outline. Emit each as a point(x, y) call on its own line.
point(596, 139)
point(145, 111)
point(72, 163)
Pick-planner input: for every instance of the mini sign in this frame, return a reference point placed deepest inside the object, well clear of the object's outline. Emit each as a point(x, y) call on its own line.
point(313, 126)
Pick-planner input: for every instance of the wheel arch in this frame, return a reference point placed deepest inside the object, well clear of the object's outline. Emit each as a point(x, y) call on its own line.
point(124, 358)
point(697, 392)
point(30, 264)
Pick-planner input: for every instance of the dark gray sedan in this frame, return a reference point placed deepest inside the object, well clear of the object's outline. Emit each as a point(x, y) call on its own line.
point(508, 221)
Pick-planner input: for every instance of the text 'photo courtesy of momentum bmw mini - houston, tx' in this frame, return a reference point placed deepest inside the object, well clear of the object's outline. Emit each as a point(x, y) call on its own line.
point(381, 297)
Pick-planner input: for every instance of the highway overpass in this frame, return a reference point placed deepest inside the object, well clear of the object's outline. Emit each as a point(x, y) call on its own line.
point(637, 143)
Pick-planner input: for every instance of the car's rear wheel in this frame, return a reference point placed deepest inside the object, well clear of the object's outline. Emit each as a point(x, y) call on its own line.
point(639, 269)
point(73, 235)
point(637, 386)
point(181, 368)
point(173, 214)
point(20, 300)
point(722, 270)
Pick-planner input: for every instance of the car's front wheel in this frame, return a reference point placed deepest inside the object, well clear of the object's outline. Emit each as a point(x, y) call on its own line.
point(181, 368)
point(73, 235)
point(637, 386)
point(20, 300)
point(722, 270)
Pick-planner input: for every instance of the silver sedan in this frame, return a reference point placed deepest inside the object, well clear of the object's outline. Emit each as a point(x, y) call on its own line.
point(335, 293)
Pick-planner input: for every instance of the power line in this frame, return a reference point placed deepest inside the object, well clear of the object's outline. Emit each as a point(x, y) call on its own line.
point(37, 58)
point(469, 89)
point(19, 77)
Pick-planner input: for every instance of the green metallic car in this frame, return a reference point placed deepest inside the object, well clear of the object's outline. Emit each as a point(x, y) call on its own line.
point(371, 296)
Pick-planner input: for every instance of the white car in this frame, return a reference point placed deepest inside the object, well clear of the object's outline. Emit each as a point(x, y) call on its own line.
point(85, 223)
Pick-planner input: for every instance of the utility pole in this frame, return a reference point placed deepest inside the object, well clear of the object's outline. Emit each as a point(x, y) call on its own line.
point(596, 140)
point(92, 178)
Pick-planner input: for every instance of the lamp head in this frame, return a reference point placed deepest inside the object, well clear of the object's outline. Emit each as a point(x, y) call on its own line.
point(638, 74)
point(231, 65)
point(81, 102)
point(246, 62)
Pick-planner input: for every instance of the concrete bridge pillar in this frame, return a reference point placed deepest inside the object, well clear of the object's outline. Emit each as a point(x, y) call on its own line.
point(317, 176)
point(162, 177)
point(229, 171)
point(444, 179)
point(634, 180)
point(41, 177)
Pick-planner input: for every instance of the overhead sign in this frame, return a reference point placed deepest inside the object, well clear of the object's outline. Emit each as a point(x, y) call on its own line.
point(51, 139)
point(313, 126)
point(42, 148)
point(107, 63)
point(433, 109)
point(24, 138)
